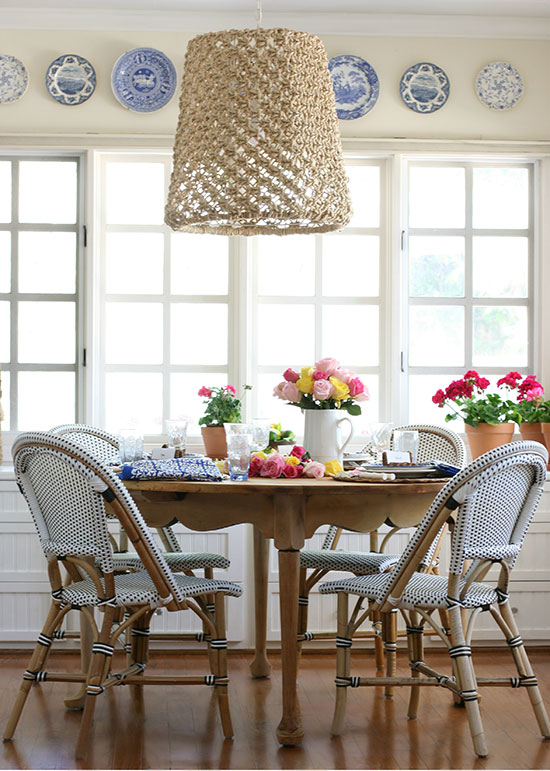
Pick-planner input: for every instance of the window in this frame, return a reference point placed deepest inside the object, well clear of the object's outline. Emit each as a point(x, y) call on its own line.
point(470, 275)
point(39, 290)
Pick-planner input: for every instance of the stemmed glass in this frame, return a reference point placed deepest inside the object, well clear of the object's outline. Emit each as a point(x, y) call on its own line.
point(379, 440)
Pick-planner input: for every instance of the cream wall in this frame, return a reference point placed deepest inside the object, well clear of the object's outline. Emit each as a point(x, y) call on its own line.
point(463, 117)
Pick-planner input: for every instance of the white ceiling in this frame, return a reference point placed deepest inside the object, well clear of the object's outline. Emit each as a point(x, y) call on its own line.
point(447, 18)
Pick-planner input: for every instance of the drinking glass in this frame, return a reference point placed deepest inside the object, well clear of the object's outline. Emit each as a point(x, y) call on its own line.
point(260, 434)
point(380, 439)
point(177, 436)
point(238, 455)
point(237, 428)
point(406, 441)
point(130, 445)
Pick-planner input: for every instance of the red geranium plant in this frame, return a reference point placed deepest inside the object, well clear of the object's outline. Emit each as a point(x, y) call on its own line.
point(222, 405)
point(468, 399)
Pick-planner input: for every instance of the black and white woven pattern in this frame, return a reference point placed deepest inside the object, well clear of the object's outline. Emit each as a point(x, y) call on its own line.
point(178, 561)
point(356, 562)
point(139, 589)
point(496, 496)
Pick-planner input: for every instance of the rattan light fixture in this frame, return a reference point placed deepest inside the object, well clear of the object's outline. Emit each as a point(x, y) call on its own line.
point(257, 147)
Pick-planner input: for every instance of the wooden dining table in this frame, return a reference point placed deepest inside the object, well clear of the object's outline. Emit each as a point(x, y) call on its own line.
point(288, 511)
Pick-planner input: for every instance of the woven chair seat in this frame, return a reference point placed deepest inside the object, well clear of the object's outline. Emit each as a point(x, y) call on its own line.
point(178, 561)
point(424, 590)
point(358, 562)
point(139, 589)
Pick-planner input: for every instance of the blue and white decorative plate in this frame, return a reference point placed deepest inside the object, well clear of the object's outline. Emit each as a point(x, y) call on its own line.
point(499, 86)
point(424, 87)
point(14, 79)
point(144, 79)
point(356, 86)
point(70, 79)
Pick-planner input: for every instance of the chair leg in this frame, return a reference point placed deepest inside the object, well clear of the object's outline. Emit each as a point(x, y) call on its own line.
point(303, 607)
point(389, 635)
point(523, 666)
point(466, 680)
point(211, 608)
point(220, 668)
point(342, 665)
point(415, 640)
point(378, 643)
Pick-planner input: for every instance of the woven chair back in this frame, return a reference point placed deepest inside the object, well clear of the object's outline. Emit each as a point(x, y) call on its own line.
point(492, 501)
point(66, 487)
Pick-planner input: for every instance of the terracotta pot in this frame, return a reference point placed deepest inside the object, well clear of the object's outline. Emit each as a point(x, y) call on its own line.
point(485, 437)
point(531, 432)
point(215, 445)
point(545, 429)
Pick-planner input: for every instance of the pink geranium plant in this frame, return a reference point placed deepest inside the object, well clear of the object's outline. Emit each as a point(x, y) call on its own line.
point(222, 405)
point(467, 398)
point(533, 408)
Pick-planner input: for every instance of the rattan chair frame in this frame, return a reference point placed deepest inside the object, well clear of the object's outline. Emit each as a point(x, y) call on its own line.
point(47, 467)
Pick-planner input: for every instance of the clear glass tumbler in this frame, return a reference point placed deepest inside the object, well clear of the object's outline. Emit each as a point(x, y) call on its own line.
point(130, 445)
point(260, 433)
point(177, 436)
point(406, 441)
point(238, 456)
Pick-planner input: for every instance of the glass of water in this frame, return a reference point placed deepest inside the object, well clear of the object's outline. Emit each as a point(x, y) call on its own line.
point(130, 445)
point(238, 455)
point(177, 436)
point(260, 433)
point(406, 441)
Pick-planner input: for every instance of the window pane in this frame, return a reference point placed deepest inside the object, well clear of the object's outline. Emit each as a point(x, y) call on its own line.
point(350, 334)
point(47, 262)
point(184, 398)
point(134, 193)
point(500, 336)
point(200, 264)
point(421, 407)
point(133, 333)
point(287, 335)
point(198, 333)
point(47, 191)
point(436, 335)
point(5, 332)
point(364, 185)
point(436, 266)
point(5, 191)
point(5, 399)
point(428, 206)
point(5, 261)
point(501, 198)
point(500, 266)
point(133, 399)
point(134, 263)
point(47, 332)
point(45, 399)
point(361, 257)
point(277, 256)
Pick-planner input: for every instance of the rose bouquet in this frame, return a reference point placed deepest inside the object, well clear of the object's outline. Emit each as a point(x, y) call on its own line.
point(296, 464)
point(468, 399)
point(325, 386)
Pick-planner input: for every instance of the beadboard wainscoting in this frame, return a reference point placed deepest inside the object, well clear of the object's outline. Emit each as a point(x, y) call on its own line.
point(24, 588)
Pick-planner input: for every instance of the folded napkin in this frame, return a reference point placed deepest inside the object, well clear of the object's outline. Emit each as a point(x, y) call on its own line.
point(191, 469)
point(364, 476)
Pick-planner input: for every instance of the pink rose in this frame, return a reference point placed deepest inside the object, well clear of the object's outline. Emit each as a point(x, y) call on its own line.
point(345, 375)
point(362, 397)
point(230, 389)
point(327, 365)
point(291, 392)
point(278, 390)
point(204, 391)
point(273, 466)
point(322, 389)
point(314, 469)
point(290, 375)
point(298, 451)
point(319, 375)
point(355, 386)
point(293, 472)
point(256, 465)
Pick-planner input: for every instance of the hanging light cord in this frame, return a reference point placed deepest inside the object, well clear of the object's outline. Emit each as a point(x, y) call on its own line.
point(259, 13)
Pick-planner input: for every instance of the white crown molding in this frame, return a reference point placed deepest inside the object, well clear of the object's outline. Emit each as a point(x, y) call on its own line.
point(398, 25)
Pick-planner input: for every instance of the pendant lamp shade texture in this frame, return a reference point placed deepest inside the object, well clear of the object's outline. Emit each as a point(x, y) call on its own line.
point(257, 147)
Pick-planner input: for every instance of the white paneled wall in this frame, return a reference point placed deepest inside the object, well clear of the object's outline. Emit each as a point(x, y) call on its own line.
point(24, 589)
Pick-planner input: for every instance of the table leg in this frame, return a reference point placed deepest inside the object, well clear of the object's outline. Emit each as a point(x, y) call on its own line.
point(260, 667)
point(76, 701)
point(289, 730)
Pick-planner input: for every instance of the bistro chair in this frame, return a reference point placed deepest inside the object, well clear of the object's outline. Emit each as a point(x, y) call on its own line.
point(434, 443)
point(490, 505)
point(66, 489)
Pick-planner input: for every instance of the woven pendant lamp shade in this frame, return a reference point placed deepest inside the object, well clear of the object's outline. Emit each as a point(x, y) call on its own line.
point(257, 147)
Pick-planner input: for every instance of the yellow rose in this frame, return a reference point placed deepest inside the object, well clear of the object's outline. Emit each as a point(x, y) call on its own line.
point(306, 372)
point(332, 468)
point(260, 454)
point(341, 391)
point(305, 384)
point(222, 466)
point(292, 460)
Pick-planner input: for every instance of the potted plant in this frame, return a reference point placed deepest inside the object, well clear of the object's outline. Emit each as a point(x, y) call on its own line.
point(489, 418)
point(534, 412)
point(323, 392)
point(222, 406)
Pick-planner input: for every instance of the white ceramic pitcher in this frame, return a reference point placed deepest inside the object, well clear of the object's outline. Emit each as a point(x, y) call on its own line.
point(323, 436)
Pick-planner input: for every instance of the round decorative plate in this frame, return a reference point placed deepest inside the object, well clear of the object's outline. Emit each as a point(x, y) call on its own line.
point(14, 79)
point(356, 86)
point(499, 86)
point(144, 79)
point(424, 87)
point(70, 79)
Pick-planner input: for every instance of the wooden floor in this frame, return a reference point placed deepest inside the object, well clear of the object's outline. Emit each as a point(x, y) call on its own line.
point(178, 727)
